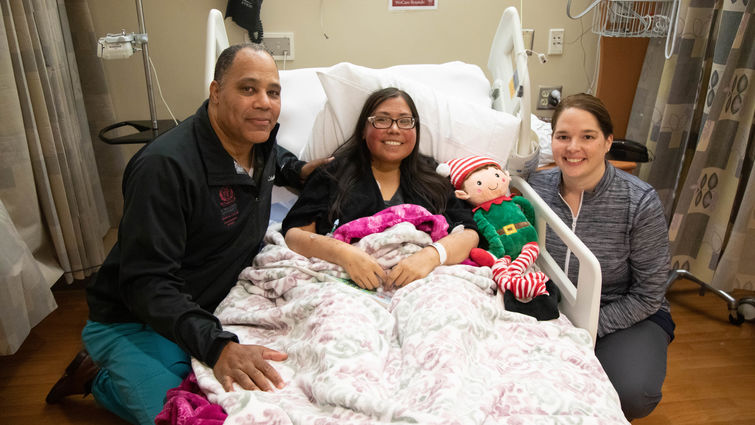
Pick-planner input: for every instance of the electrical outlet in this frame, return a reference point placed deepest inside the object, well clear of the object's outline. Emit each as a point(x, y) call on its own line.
point(280, 45)
point(556, 41)
point(545, 99)
point(528, 36)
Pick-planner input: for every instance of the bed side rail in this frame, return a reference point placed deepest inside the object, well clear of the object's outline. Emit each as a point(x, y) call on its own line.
point(580, 303)
point(507, 64)
point(216, 42)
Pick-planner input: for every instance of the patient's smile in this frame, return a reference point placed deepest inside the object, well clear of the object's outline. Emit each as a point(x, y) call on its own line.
point(390, 145)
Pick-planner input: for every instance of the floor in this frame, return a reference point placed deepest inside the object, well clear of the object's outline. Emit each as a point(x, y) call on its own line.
point(28, 375)
point(711, 372)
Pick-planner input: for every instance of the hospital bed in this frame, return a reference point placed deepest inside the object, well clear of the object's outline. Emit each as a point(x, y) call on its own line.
point(551, 372)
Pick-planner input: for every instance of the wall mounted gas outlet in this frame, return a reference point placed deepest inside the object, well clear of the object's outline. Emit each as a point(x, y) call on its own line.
point(556, 41)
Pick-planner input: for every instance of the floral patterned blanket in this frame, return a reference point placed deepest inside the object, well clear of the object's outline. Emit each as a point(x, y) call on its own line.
point(443, 352)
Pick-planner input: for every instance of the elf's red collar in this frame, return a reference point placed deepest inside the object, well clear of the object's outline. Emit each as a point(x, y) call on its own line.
point(497, 201)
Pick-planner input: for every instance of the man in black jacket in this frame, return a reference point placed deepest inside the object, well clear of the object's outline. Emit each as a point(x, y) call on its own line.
point(196, 207)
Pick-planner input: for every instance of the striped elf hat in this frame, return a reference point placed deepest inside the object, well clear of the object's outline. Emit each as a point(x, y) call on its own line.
point(458, 169)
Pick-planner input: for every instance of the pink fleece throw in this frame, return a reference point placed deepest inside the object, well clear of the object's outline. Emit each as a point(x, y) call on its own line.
point(186, 405)
point(434, 224)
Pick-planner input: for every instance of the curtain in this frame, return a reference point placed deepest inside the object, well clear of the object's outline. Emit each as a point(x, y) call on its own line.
point(713, 228)
point(111, 159)
point(697, 119)
point(676, 96)
point(25, 297)
point(49, 184)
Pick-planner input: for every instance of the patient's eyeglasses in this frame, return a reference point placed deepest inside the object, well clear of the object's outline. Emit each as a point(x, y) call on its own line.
point(404, 123)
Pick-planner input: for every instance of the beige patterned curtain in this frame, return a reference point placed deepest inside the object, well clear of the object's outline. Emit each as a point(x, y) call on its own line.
point(702, 107)
point(53, 207)
point(713, 226)
point(111, 159)
point(675, 98)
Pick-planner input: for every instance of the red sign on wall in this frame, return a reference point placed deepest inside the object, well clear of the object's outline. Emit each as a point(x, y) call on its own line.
point(413, 4)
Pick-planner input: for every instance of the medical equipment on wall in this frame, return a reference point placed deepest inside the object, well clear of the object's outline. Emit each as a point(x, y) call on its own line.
point(634, 18)
point(122, 46)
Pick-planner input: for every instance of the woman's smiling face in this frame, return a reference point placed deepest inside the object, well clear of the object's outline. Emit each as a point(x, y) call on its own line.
point(390, 145)
point(579, 146)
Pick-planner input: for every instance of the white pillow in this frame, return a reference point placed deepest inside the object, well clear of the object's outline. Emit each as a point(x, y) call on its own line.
point(451, 127)
point(302, 97)
point(458, 79)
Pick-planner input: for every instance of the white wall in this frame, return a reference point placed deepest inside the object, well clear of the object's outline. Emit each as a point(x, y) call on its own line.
point(360, 31)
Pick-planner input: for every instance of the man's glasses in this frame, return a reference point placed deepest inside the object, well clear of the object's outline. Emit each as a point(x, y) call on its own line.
point(404, 123)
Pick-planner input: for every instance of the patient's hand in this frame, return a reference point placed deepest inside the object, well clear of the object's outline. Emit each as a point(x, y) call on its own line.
point(413, 267)
point(247, 366)
point(362, 268)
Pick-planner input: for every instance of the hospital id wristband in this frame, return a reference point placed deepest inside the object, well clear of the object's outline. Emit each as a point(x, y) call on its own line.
point(441, 252)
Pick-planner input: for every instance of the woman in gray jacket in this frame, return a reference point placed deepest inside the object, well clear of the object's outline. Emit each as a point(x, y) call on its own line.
point(620, 218)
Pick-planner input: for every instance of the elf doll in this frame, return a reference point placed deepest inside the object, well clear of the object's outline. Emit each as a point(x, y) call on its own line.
point(505, 224)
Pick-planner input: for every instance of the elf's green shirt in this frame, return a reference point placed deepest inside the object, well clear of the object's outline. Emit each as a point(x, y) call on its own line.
point(506, 225)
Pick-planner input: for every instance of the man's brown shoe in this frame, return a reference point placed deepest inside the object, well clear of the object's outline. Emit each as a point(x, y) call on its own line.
point(77, 379)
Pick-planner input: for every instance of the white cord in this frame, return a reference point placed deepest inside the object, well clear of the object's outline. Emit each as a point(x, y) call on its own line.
point(540, 56)
point(595, 74)
point(588, 78)
point(285, 56)
point(672, 28)
point(584, 12)
point(159, 90)
point(322, 26)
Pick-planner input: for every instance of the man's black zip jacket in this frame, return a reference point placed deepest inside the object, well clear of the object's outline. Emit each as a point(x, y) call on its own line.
point(190, 225)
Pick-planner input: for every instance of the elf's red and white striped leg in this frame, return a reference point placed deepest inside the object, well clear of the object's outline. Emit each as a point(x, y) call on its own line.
point(530, 284)
point(529, 254)
point(527, 286)
point(501, 272)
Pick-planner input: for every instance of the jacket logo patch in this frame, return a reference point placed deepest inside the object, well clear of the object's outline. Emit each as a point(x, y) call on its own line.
point(229, 211)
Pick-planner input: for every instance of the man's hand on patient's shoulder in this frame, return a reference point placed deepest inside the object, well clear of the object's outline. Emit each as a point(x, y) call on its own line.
point(311, 166)
point(248, 366)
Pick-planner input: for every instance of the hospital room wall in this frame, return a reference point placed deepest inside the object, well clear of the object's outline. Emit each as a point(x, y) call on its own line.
point(364, 32)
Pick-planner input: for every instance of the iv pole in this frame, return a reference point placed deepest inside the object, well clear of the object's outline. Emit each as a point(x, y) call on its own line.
point(147, 74)
point(122, 47)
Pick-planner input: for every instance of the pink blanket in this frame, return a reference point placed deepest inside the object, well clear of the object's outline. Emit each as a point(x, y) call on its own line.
point(433, 224)
point(187, 405)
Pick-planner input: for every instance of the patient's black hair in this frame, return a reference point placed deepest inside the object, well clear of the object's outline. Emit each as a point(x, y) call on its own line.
point(225, 60)
point(418, 175)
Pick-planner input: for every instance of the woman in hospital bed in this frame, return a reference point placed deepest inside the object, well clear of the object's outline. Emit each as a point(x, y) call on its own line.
point(378, 167)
